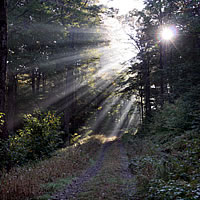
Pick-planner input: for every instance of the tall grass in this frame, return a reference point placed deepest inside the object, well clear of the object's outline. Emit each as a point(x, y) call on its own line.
point(26, 182)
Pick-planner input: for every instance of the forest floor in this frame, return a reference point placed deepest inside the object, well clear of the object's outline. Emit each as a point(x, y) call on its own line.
point(96, 167)
point(108, 178)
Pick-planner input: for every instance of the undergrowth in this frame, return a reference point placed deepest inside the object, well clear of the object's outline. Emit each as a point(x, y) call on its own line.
point(165, 154)
point(38, 139)
point(165, 167)
point(45, 177)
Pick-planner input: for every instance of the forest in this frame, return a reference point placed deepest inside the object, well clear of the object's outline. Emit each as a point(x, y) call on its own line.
point(80, 118)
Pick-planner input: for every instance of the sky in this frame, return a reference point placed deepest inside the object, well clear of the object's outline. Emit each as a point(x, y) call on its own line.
point(124, 6)
point(120, 49)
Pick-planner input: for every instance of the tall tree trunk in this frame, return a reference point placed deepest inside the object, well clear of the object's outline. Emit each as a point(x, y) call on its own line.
point(69, 123)
point(43, 82)
point(69, 107)
point(33, 81)
point(12, 89)
point(161, 59)
point(161, 76)
point(141, 99)
point(38, 81)
point(4, 157)
point(147, 89)
point(3, 65)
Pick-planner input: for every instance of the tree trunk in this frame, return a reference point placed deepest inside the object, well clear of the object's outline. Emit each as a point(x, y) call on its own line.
point(161, 58)
point(33, 81)
point(69, 123)
point(43, 82)
point(38, 81)
point(161, 76)
point(12, 89)
point(3, 65)
point(141, 99)
point(147, 90)
point(69, 107)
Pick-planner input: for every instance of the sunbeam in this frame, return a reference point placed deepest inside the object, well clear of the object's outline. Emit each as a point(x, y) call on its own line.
point(134, 120)
point(102, 114)
point(96, 65)
point(125, 110)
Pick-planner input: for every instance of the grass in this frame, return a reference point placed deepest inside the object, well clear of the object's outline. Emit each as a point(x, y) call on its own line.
point(52, 187)
point(109, 182)
point(43, 178)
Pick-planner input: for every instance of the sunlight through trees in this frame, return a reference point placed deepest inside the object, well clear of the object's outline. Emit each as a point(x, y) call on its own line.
point(106, 70)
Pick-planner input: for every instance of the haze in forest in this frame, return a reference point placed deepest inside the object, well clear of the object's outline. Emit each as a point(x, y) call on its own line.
point(99, 99)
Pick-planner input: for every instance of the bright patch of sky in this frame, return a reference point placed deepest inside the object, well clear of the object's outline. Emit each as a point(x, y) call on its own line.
point(121, 49)
point(124, 6)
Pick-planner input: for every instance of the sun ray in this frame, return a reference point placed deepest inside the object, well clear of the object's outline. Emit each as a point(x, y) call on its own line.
point(102, 115)
point(108, 64)
point(125, 110)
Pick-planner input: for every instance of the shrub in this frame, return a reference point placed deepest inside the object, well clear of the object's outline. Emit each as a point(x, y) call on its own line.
point(3, 145)
point(1, 120)
point(173, 118)
point(4, 161)
point(39, 137)
point(172, 189)
point(74, 138)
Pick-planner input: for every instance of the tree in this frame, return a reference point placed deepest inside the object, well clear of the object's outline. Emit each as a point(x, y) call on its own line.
point(165, 71)
point(32, 53)
point(3, 64)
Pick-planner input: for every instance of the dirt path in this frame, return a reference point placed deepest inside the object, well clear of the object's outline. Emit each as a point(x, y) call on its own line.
point(109, 178)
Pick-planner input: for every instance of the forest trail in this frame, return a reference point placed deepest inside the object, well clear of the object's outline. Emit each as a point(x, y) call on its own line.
point(108, 178)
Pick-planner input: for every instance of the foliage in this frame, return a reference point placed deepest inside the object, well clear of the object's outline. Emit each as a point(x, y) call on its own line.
point(182, 171)
point(3, 145)
point(39, 137)
point(172, 118)
point(4, 148)
point(166, 164)
point(164, 156)
point(191, 98)
point(39, 64)
point(162, 71)
point(173, 190)
point(74, 138)
point(1, 121)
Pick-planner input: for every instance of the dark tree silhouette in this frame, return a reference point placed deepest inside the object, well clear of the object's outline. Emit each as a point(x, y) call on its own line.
point(3, 62)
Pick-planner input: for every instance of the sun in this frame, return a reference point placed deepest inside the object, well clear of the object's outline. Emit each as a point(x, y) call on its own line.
point(167, 34)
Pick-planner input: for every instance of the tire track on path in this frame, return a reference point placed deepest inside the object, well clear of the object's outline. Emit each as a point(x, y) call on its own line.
point(129, 180)
point(76, 186)
point(114, 180)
